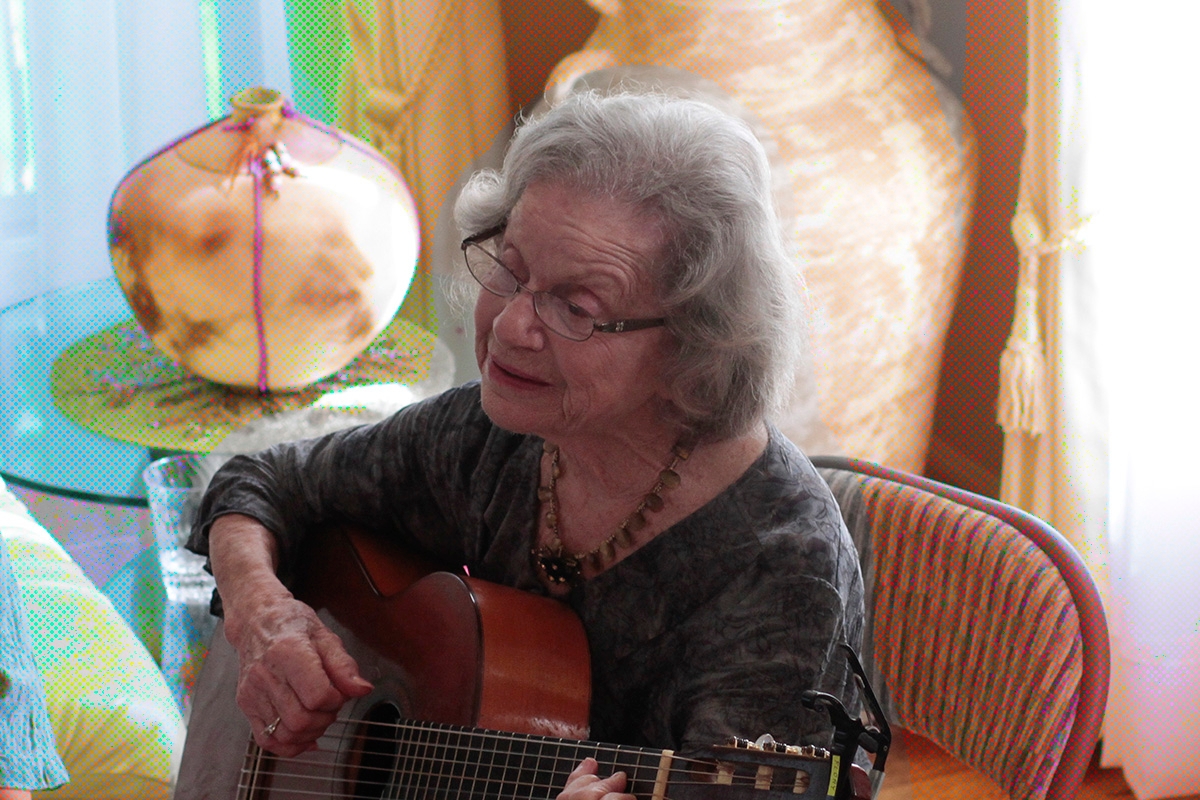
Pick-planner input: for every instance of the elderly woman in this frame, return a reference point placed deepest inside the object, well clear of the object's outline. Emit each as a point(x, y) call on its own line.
point(637, 324)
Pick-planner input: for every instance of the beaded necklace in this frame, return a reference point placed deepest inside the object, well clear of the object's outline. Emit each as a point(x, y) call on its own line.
point(558, 567)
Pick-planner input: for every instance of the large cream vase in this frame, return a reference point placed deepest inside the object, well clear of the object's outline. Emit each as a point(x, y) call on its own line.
point(881, 164)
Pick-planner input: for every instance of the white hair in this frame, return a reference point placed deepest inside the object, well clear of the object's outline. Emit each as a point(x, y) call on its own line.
point(730, 289)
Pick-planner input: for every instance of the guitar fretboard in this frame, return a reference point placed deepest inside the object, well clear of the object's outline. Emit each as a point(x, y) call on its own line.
point(432, 761)
point(447, 762)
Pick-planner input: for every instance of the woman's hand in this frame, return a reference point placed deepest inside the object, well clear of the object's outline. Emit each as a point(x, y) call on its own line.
point(294, 674)
point(584, 783)
point(295, 670)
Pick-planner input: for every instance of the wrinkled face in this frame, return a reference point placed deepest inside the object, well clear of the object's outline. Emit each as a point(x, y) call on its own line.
point(595, 253)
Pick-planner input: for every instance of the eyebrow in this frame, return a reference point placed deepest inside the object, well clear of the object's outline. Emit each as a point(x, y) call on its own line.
point(610, 302)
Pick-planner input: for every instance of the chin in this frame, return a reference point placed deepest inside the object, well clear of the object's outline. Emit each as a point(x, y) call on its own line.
point(507, 414)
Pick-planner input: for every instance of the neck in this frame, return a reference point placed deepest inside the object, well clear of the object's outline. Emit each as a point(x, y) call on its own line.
point(597, 524)
point(617, 464)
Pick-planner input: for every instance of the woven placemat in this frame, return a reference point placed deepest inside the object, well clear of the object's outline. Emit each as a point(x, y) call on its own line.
point(117, 383)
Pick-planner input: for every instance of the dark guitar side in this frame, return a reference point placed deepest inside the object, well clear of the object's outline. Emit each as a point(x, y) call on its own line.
point(447, 649)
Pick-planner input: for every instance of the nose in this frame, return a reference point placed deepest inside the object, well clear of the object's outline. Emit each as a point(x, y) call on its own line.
point(517, 322)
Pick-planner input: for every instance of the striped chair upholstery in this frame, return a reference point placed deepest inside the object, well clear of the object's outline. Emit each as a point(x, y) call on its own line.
point(984, 632)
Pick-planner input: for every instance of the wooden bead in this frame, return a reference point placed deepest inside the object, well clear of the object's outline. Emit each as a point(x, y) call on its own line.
point(559, 568)
point(607, 551)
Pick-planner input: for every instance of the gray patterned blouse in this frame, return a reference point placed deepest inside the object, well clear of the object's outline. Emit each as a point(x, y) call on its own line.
point(714, 628)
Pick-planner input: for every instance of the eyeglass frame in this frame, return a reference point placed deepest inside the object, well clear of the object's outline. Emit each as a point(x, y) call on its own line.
point(615, 326)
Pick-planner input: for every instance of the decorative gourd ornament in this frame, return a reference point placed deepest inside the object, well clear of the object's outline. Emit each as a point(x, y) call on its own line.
point(264, 250)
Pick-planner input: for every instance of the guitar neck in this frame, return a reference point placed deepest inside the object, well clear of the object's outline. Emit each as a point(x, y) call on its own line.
point(436, 760)
point(424, 760)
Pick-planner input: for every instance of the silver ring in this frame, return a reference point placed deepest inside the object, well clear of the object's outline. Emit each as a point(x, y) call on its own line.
point(270, 729)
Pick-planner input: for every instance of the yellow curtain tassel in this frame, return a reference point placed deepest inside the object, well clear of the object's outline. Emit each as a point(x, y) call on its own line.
point(1021, 406)
point(1022, 401)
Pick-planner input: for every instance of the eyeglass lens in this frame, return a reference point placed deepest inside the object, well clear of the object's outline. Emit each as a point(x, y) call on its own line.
point(561, 316)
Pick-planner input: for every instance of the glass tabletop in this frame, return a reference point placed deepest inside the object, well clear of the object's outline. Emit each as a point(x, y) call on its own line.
point(39, 447)
point(43, 449)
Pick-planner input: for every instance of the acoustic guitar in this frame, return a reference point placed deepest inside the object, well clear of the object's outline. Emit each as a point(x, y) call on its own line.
point(481, 691)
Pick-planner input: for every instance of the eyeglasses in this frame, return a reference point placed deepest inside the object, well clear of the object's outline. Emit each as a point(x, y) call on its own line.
point(556, 313)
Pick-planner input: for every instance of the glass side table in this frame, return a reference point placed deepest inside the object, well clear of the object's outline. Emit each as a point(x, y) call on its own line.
point(85, 487)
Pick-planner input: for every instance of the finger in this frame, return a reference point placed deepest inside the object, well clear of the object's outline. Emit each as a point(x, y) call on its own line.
point(259, 691)
point(282, 749)
point(300, 726)
point(303, 671)
point(589, 766)
point(291, 741)
point(614, 783)
point(339, 665)
point(264, 697)
point(265, 734)
point(584, 784)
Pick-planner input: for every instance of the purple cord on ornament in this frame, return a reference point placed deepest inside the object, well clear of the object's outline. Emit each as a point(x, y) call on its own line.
point(256, 170)
point(255, 166)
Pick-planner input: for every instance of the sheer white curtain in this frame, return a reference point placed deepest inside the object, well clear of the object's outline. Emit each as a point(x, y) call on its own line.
point(1134, 169)
point(94, 86)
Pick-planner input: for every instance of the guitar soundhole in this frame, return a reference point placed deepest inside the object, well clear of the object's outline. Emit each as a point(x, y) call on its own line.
point(372, 764)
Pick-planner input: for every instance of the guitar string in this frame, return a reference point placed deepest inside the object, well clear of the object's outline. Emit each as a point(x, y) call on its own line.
point(489, 789)
point(474, 752)
point(293, 792)
point(479, 734)
point(430, 773)
point(411, 753)
point(334, 774)
point(468, 735)
point(255, 757)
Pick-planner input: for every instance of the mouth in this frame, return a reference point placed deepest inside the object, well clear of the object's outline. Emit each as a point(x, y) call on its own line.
point(509, 375)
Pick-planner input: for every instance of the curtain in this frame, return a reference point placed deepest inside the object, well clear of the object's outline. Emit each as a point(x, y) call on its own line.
point(90, 87)
point(1139, 168)
point(1102, 442)
point(1050, 406)
point(428, 88)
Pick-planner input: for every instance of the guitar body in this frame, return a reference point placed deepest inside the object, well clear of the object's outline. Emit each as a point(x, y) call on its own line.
point(438, 647)
point(481, 693)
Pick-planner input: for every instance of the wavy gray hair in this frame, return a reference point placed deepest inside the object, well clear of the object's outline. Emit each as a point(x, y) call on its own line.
point(730, 289)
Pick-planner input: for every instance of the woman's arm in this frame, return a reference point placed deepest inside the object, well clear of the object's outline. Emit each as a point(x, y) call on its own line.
point(292, 668)
point(396, 478)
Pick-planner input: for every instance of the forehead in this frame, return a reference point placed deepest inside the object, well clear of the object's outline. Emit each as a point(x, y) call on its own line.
point(556, 227)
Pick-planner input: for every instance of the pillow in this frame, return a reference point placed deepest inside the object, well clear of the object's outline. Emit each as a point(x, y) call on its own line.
point(28, 756)
point(119, 731)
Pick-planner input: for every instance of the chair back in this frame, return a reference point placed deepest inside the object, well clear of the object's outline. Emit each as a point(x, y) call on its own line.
point(984, 630)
